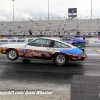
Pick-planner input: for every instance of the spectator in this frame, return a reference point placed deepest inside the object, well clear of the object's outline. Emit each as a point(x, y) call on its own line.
point(30, 31)
point(84, 37)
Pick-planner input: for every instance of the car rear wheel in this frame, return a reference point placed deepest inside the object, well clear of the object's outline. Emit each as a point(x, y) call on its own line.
point(12, 54)
point(60, 59)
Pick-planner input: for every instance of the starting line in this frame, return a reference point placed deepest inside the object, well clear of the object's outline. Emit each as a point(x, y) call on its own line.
point(91, 52)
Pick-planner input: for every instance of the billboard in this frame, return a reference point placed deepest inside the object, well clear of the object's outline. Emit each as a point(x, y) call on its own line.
point(72, 10)
point(72, 13)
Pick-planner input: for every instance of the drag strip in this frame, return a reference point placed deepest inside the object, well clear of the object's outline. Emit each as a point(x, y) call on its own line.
point(43, 74)
point(41, 71)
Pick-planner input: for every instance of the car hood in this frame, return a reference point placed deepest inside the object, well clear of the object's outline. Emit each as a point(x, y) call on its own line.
point(18, 45)
point(79, 40)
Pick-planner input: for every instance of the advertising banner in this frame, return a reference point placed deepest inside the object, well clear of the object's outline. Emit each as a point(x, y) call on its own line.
point(27, 40)
point(11, 40)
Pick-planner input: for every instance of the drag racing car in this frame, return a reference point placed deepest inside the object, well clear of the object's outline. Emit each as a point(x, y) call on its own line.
point(74, 41)
point(44, 48)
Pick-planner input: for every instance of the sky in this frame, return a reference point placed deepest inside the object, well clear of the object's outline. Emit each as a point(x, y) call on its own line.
point(36, 9)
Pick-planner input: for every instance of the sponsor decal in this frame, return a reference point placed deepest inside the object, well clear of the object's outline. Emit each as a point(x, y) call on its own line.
point(12, 40)
point(46, 54)
point(20, 40)
point(3, 40)
point(3, 50)
point(97, 42)
point(20, 52)
point(60, 49)
point(16, 40)
point(32, 53)
point(25, 51)
point(36, 53)
point(55, 49)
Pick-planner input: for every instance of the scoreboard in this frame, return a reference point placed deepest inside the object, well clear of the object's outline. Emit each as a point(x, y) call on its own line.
point(72, 13)
point(72, 10)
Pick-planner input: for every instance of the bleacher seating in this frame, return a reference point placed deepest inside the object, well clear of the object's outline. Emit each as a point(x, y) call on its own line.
point(51, 27)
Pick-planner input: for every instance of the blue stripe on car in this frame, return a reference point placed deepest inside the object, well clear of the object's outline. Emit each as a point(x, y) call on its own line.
point(72, 51)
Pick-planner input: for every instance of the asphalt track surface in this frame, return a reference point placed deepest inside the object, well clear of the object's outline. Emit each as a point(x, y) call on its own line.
point(43, 74)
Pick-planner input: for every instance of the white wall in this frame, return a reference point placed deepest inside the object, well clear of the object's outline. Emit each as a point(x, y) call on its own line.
point(26, 40)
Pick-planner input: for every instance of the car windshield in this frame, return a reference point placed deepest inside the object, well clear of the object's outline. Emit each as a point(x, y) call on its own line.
point(65, 38)
point(72, 38)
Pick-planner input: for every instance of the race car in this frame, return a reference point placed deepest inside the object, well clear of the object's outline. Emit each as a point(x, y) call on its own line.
point(74, 41)
point(44, 48)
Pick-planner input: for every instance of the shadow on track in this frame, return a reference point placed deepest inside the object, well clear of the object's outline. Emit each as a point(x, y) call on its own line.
point(41, 71)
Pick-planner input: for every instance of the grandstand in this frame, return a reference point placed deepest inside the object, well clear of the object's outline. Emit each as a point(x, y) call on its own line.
point(76, 27)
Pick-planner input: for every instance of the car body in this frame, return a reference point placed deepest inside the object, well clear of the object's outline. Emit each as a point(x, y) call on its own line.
point(44, 48)
point(74, 41)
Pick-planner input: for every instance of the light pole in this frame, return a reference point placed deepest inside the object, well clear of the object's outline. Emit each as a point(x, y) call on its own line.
point(13, 9)
point(91, 9)
point(48, 9)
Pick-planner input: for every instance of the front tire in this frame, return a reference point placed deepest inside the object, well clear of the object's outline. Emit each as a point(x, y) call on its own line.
point(60, 59)
point(12, 54)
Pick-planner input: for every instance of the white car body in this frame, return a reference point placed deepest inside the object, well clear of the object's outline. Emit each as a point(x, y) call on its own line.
point(42, 48)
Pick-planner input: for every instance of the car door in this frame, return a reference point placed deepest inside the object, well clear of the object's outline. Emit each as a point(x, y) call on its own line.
point(38, 48)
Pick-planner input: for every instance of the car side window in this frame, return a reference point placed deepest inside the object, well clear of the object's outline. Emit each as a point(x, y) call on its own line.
point(60, 45)
point(66, 38)
point(40, 42)
point(72, 38)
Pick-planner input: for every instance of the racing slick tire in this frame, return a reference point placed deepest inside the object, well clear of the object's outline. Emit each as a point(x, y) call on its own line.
point(12, 54)
point(60, 59)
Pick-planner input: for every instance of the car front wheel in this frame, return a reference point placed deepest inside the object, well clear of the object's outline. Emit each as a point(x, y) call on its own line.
point(60, 59)
point(12, 54)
